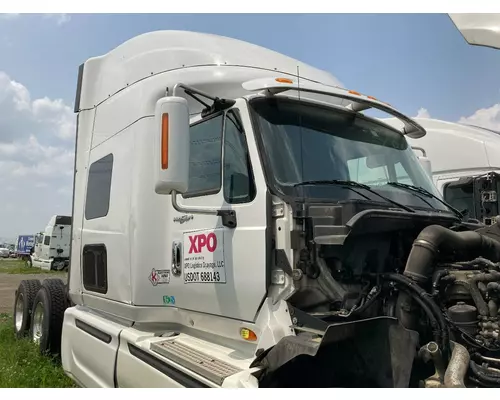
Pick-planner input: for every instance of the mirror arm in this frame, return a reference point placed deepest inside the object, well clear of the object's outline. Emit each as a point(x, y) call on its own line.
point(228, 216)
point(421, 149)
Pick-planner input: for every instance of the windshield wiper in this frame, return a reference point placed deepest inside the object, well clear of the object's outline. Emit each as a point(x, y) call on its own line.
point(425, 192)
point(353, 184)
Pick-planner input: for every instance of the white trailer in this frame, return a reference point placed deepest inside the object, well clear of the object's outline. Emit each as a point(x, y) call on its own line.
point(52, 246)
point(224, 233)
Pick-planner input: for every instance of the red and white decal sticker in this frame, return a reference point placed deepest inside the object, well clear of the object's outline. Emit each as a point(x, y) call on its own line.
point(204, 257)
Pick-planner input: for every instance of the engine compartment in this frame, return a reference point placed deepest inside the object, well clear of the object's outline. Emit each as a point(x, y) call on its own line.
point(390, 299)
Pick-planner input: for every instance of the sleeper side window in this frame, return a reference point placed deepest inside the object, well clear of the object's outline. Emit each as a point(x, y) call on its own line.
point(46, 240)
point(95, 268)
point(239, 185)
point(99, 188)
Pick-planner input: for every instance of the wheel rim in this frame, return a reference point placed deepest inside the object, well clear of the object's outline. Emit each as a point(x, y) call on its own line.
point(19, 312)
point(38, 323)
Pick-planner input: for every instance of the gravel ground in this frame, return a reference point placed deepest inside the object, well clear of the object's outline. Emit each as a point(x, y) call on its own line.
point(9, 284)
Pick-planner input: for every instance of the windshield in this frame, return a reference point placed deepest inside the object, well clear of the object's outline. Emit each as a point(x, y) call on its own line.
point(308, 142)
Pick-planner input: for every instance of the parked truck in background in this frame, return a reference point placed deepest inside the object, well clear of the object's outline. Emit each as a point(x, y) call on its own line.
point(239, 222)
point(52, 246)
point(465, 165)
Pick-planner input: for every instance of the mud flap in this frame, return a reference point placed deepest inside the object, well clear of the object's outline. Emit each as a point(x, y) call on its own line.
point(376, 352)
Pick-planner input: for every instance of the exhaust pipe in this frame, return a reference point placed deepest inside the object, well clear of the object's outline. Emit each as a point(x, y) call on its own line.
point(457, 367)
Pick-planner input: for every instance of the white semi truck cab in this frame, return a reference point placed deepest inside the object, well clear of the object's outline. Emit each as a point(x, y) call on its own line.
point(238, 222)
point(52, 246)
point(465, 164)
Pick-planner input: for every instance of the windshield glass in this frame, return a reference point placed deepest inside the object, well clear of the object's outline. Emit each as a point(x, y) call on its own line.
point(308, 142)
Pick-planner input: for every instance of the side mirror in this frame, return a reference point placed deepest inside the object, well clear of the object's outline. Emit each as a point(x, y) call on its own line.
point(423, 160)
point(172, 145)
point(426, 165)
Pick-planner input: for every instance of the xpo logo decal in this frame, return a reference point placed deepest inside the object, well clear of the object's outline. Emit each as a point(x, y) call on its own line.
point(199, 242)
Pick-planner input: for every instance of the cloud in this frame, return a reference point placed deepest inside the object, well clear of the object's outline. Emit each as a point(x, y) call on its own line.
point(423, 113)
point(58, 114)
point(485, 117)
point(36, 158)
point(488, 118)
point(65, 191)
point(22, 117)
point(60, 19)
point(8, 15)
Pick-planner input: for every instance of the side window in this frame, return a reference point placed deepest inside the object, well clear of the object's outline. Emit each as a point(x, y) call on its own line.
point(99, 188)
point(205, 157)
point(46, 240)
point(239, 186)
point(460, 194)
point(95, 268)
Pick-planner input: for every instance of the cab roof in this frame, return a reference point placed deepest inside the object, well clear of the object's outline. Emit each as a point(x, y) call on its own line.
point(158, 52)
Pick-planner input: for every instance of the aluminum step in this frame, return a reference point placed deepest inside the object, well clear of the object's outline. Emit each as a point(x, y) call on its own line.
point(209, 367)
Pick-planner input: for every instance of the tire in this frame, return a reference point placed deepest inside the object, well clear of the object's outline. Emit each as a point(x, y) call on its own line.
point(63, 285)
point(53, 281)
point(23, 305)
point(56, 266)
point(48, 315)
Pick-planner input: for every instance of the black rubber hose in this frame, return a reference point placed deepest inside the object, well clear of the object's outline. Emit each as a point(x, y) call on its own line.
point(436, 329)
point(438, 275)
point(435, 239)
point(365, 306)
point(488, 378)
point(425, 297)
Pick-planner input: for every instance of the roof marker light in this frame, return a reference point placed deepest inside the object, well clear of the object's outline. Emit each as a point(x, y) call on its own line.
point(354, 92)
point(284, 80)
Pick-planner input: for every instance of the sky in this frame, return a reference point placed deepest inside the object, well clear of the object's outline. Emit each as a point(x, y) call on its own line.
point(419, 63)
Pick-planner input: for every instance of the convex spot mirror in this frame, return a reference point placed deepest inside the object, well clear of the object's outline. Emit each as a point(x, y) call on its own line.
point(172, 144)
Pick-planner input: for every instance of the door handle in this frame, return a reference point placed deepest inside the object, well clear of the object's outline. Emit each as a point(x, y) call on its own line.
point(176, 258)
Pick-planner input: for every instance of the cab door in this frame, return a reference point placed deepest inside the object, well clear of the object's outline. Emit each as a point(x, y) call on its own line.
point(45, 251)
point(37, 252)
point(219, 261)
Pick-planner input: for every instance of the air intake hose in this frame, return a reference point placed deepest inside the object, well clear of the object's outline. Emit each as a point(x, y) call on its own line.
point(435, 239)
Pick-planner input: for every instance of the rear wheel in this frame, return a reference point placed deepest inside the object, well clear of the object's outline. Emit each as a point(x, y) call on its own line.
point(47, 316)
point(23, 304)
point(58, 265)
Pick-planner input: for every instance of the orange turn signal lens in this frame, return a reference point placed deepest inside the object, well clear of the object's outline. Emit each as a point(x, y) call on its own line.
point(284, 80)
point(164, 141)
point(248, 334)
